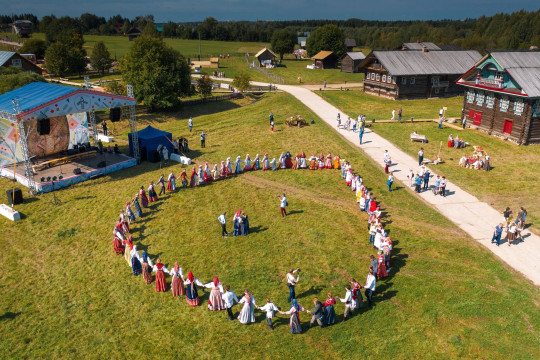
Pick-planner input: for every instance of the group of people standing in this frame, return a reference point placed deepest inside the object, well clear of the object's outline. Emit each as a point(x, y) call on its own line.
point(513, 226)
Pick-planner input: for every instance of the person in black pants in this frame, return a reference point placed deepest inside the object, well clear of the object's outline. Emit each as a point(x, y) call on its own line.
point(426, 179)
point(203, 139)
point(317, 314)
point(104, 127)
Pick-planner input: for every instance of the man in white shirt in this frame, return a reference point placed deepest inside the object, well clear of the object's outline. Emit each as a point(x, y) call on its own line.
point(370, 286)
point(393, 114)
point(283, 204)
point(420, 156)
point(443, 186)
point(223, 222)
point(269, 307)
point(190, 124)
point(291, 282)
point(347, 300)
point(229, 297)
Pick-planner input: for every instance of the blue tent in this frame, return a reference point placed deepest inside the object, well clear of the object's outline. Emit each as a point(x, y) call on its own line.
point(150, 138)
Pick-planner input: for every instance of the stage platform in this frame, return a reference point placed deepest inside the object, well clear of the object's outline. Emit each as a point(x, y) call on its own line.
point(88, 166)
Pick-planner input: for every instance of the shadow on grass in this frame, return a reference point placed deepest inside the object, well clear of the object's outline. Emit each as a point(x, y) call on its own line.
point(295, 212)
point(257, 229)
point(9, 315)
point(311, 291)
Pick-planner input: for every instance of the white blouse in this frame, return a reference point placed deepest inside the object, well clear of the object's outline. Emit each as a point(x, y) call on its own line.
point(155, 269)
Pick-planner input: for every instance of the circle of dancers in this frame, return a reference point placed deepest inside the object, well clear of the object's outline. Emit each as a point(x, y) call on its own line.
point(222, 297)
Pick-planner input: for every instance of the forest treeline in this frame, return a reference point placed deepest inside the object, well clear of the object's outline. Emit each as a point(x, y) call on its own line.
point(518, 30)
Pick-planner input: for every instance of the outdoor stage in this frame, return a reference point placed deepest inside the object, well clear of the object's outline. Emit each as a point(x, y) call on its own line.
point(88, 166)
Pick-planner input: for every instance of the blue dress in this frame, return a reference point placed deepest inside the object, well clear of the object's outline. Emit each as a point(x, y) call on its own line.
point(235, 231)
point(138, 210)
point(329, 315)
point(246, 226)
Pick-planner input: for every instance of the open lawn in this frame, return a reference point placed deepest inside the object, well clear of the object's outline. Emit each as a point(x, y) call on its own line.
point(65, 294)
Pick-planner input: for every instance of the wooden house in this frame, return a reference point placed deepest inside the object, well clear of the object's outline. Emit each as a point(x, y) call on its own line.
point(400, 74)
point(325, 60)
point(134, 33)
point(12, 59)
point(351, 61)
point(503, 95)
point(350, 44)
point(265, 56)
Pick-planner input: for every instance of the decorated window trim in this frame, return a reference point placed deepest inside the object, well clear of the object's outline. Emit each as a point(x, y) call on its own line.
point(519, 106)
point(470, 96)
point(490, 101)
point(504, 104)
point(536, 109)
point(384, 78)
point(480, 98)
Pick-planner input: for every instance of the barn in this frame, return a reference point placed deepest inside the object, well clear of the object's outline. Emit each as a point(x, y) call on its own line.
point(134, 33)
point(397, 74)
point(325, 60)
point(351, 61)
point(12, 59)
point(350, 44)
point(265, 56)
point(503, 95)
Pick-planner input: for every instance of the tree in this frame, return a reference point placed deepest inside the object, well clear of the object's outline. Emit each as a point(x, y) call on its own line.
point(12, 78)
point(169, 29)
point(116, 87)
point(91, 22)
point(101, 57)
point(65, 30)
point(158, 73)
point(204, 86)
point(328, 37)
point(34, 46)
point(241, 81)
point(150, 31)
point(61, 59)
point(282, 42)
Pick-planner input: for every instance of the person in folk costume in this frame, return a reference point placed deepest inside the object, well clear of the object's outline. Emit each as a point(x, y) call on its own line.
point(247, 163)
point(183, 178)
point(348, 178)
point(238, 165)
point(125, 225)
point(348, 302)
point(313, 162)
point(129, 213)
point(215, 301)
point(138, 210)
point(337, 164)
point(357, 300)
point(270, 308)
point(223, 170)
point(282, 160)
point(194, 178)
point(328, 163)
point(288, 160)
point(201, 175)
point(381, 271)
point(229, 166)
point(161, 182)
point(302, 161)
point(265, 162)
point(192, 296)
point(147, 268)
point(343, 168)
point(353, 183)
point(136, 265)
point(207, 172)
point(152, 195)
point(321, 161)
point(295, 164)
point(361, 201)
point(387, 251)
point(160, 270)
point(294, 325)
point(177, 282)
point(240, 222)
point(245, 222)
point(171, 182)
point(117, 242)
point(144, 198)
point(128, 245)
point(256, 163)
point(450, 141)
point(273, 163)
point(247, 314)
point(329, 314)
point(215, 173)
point(236, 222)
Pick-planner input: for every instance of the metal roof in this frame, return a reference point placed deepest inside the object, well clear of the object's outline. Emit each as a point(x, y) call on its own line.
point(356, 55)
point(528, 79)
point(399, 63)
point(419, 45)
point(33, 95)
point(5, 56)
point(523, 66)
point(350, 42)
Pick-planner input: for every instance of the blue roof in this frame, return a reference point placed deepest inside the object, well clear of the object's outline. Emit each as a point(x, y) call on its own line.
point(33, 95)
point(150, 132)
point(5, 56)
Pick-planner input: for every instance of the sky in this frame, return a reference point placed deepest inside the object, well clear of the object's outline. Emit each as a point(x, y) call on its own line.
point(223, 10)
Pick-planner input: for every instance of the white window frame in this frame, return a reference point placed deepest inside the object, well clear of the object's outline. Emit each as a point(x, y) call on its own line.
point(480, 98)
point(16, 63)
point(372, 76)
point(504, 104)
point(412, 81)
point(378, 77)
point(404, 80)
point(519, 106)
point(389, 79)
point(490, 101)
point(470, 96)
point(384, 78)
point(536, 109)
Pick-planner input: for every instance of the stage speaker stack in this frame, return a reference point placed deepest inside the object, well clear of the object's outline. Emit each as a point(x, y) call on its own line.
point(153, 156)
point(44, 126)
point(115, 114)
point(14, 196)
point(77, 171)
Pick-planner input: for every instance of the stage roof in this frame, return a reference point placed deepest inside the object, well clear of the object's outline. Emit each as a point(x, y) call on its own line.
point(41, 99)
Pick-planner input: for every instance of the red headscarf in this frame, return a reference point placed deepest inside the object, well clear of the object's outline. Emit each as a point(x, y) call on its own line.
point(216, 281)
point(190, 277)
point(238, 213)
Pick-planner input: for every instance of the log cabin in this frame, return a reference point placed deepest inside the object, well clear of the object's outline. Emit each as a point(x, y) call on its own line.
point(397, 74)
point(503, 95)
point(351, 61)
point(325, 60)
point(12, 59)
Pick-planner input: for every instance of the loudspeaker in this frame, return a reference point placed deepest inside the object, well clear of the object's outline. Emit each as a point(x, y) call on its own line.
point(14, 196)
point(77, 171)
point(44, 126)
point(102, 164)
point(114, 114)
point(153, 156)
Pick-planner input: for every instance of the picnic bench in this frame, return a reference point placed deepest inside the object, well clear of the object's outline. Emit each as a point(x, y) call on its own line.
point(418, 137)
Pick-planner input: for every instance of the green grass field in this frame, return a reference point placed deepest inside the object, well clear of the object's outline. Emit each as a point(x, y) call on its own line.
point(65, 294)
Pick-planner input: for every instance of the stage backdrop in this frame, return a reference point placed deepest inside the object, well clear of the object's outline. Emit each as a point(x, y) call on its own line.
point(45, 145)
point(9, 147)
point(78, 129)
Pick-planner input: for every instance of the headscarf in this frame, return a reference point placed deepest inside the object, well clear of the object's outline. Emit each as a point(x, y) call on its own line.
point(295, 305)
point(144, 256)
point(127, 203)
point(176, 267)
point(216, 281)
point(190, 277)
point(238, 213)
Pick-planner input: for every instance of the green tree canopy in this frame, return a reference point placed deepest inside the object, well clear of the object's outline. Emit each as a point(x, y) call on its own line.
point(328, 37)
point(12, 78)
point(62, 59)
point(159, 74)
point(283, 41)
point(150, 31)
point(241, 81)
point(204, 86)
point(101, 57)
point(34, 46)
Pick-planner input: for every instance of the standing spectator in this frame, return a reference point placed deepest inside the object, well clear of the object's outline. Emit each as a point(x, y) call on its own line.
point(443, 186)
point(104, 127)
point(497, 234)
point(506, 213)
point(325, 83)
point(361, 134)
point(283, 205)
point(400, 113)
point(271, 117)
point(228, 300)
point(420, 156)
point(272, 125)
point(374, 265)
point(464, 122)
point(291, 283)
point(417, 183)
point(511, 232)
point(203, 139)
point(440, 121)
point(370, 287)
point(426, 179)
point(390, 182)
point(223, 222)
point(393, 114)
point(190, 123)
point(437, 185)
point(161, 182)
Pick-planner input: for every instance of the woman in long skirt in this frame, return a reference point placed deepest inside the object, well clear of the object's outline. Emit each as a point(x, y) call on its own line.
point(138, 210)
point(152, 195)
point(329, 314)
point(177, 283)
point(135, 261)
point(128, 244)
point(295, 326)
point(129, 213)
point(171, 182)
point(192, 296)
point(246, 224)
point(117, 244)
point(193, 178)
point(144, 199)
point(247, 314)
point(123, 221)
point(215, 301)
point(381, 267)
point(160, 270)
point(147, 268)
